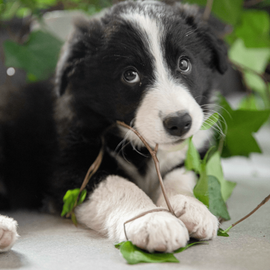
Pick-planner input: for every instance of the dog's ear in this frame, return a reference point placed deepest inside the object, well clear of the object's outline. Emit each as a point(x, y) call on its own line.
point(83, 43)
point(219, 50)
point(210, 31)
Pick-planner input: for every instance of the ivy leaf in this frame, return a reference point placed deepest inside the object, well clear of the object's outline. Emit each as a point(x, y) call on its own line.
point(208, 191)
point(71, 200)
point(134, 255)
point(201, 189)
point(253, 58)
point(228, 11)
point(38, 56)
point(250, 102)
point(241, 124)
point(217, 205)
point(193, 160)
point(213, 167)
point(82, 196)
point(254, 29)
point(210, 121)
point(222, 233)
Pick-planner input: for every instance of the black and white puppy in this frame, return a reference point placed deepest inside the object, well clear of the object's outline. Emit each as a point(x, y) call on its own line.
point(148, 64)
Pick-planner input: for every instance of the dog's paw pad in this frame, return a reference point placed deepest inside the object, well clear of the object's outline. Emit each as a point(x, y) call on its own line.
point(158, 231)
point(8, 233)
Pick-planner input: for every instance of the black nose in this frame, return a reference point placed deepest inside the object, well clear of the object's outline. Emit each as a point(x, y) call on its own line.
point(178, 123)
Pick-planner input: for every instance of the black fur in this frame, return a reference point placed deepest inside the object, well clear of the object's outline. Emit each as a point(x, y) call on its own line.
point(44, 152)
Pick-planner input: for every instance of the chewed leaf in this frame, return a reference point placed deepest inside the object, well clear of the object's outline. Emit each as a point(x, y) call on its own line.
point(209, 122)
point(134, 255)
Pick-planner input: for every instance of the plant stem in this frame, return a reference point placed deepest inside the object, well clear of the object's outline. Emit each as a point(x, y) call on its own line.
point(248, 215)
point(154, 156)
point(207, 10)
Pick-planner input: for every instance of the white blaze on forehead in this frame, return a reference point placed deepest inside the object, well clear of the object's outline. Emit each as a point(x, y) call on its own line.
point(152, 32)
point(166, 95)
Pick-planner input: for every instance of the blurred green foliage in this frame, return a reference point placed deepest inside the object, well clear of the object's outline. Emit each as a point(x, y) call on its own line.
point(249, 42)
point(37, 56)
point(23, 8)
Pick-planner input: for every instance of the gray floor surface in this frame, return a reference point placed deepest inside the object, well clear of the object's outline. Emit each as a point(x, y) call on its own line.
point(49, 242)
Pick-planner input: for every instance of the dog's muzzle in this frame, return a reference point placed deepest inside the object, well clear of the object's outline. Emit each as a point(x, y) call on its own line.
point(177, 123)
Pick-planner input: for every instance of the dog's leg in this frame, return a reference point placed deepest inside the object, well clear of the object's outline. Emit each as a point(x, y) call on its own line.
point(200, 222)
point(117, 200)
point(8, 233)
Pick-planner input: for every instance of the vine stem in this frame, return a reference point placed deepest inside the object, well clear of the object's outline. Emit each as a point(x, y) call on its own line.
point(154, 156)
point(207, 10)
point(155, 159)
point(265, 200)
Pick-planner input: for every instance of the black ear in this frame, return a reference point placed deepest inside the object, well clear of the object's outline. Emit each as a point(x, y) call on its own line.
point(219, 51)
point(81, 45)
point(210, 30)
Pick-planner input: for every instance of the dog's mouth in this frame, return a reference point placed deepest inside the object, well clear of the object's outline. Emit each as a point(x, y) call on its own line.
point(174, 145)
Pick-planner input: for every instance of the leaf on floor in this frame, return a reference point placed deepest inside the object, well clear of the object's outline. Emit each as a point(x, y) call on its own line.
point(135, 255)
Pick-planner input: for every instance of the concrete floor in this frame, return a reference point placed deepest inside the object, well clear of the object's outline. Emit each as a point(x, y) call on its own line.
point(49, 242)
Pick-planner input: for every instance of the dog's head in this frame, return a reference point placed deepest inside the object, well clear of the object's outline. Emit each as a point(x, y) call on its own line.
point(148, 64)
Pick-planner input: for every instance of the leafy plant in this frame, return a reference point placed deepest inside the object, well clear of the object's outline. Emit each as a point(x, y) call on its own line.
point(249, 53)
point(134, 255)
point(37, 56)
point(72, 199)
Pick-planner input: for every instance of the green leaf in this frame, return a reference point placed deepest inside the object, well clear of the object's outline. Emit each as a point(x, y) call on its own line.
point(134, 255)
point(70, 201)
point(217, 205)
point(254, 58)
point(213, 167)
point(193, 161)
point(82, 196)
point(38, 56)
point(228, 11)
point(222, 233)
point(210, 121)
point(119, 244)
point(254, 29)
point(74, 219)
point(189, 245)
point(208, 191)
point(249, 102)
point(201, 189)
point(255, 82)
point(241, 124)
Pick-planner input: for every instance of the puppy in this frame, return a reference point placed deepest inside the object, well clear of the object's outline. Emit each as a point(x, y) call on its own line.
point(147, 64)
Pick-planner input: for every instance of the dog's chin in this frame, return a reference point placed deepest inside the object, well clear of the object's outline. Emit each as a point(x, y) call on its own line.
point(173, 146)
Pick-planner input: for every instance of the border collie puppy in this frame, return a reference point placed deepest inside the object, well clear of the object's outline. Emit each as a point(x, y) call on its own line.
point(148, 64)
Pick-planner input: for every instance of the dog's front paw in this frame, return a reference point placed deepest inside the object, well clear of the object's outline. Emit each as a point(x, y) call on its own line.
point(200, 222)
point(8, 233)
point(157, 231)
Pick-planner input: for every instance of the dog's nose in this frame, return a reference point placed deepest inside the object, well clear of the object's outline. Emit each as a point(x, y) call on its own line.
point(178, 123)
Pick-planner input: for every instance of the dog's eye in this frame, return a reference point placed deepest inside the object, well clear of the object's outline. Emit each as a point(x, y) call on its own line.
point(184, 65)
point(131, 76)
